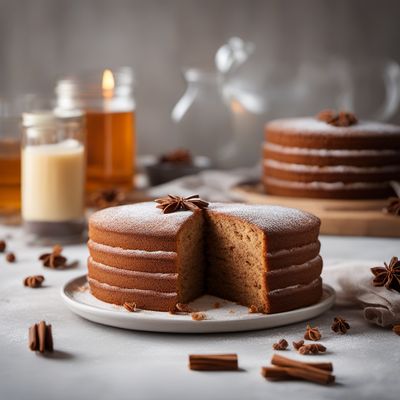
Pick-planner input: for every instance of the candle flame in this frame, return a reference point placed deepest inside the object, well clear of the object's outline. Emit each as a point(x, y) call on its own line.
point(108, 83)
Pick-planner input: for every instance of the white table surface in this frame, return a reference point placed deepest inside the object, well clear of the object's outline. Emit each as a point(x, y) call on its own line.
point(98, 362)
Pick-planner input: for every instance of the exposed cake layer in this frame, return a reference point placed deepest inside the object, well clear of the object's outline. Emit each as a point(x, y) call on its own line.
point(287, 275)
point(124, 278)
point(323, 157)
point(327, 190)
point(281, 300)
point(311, 133)
point(296, 296)
point(165, 262)
point(285, 227)
point(145, 299)
point(331, 173)
point(138, 227)
point(136, 260)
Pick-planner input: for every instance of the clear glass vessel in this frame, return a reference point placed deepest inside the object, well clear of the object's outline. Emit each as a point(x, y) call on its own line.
point(53, 177)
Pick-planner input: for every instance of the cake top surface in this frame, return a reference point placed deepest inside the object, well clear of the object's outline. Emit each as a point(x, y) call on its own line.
point(146, 219)
point(141, 219)
point(271, 219)
point(311, 125)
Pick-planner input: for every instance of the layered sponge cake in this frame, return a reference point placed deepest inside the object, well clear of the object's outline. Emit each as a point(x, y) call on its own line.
point(323, 158)
point(262, 256)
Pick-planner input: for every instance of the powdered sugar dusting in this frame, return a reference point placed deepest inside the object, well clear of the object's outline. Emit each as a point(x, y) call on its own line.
point(140, 219)
point(272, 219)
point(309, 125)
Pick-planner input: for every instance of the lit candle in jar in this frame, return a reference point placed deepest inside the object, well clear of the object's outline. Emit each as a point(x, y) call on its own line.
point(110, 126)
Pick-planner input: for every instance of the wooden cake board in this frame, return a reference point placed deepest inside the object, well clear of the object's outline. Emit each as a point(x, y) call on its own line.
point(338, 217)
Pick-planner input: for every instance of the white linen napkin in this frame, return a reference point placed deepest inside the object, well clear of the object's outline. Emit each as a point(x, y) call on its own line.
point(353, 284)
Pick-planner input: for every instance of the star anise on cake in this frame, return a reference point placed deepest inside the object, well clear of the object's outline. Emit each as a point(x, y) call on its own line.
point(340, 119)
point(170, 203)
point(54, 259)
point(388, 275)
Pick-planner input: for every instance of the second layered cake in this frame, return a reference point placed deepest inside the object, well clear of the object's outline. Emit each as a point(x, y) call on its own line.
point(307, 157)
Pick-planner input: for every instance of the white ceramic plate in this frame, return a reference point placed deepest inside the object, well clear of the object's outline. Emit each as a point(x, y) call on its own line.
point(229, 317)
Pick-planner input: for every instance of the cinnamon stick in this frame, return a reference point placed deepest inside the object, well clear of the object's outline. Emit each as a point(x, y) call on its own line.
point(282, 361)
point(213, 362)
point(312, 374)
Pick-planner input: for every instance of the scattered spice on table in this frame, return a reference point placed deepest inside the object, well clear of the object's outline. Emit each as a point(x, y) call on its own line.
point(34, 281)
point(41, 337)
point(312, 333)
point(213, 362)
point(54, 259)
point(281, 345)
point(340, 325)
point(10, 257)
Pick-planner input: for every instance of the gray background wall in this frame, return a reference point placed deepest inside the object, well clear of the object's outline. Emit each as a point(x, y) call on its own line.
point(43, 39)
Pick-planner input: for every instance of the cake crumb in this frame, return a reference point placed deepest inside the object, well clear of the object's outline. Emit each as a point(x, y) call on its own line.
point(252, 309)
point(82, 288)
point(198, 316)
point(10, 257)
point(183, 308)
point(131, 307)
point(232, 311)
point(217, 304)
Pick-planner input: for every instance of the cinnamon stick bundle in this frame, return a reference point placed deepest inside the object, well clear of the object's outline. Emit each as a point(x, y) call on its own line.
point(213, 362)
point(286, 368)
point(282, 361)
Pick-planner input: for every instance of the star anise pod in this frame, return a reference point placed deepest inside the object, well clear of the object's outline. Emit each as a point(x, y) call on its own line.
point(108, 198)
point(388, 276)
point(170, 203)
point(393, 206)
point(314, 348)
point(312, 333)
point(342, 118)
point(298, 344)
point(178, 156)
point(33, 281)
point(54, 259)
point(281, 345)
point(340, 325)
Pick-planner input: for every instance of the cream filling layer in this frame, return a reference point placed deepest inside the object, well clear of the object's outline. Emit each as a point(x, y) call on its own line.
point(325, 185)
point(304, 151)
point(288, 290)
point(302, 168)
point(169, 255)
point(152, 293)
point(132, 273)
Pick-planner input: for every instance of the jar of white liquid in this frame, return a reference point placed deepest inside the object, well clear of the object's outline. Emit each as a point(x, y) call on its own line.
point(53, 177)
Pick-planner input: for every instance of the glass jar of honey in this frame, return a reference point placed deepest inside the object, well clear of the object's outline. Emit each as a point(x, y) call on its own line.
point(107, 99)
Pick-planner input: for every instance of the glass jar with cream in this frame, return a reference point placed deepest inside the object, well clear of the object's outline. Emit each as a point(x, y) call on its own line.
point(53, 177)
